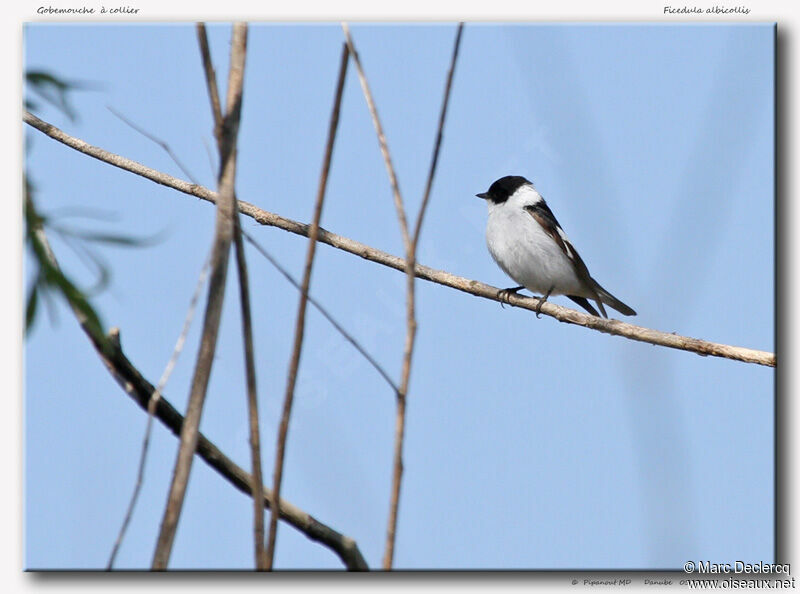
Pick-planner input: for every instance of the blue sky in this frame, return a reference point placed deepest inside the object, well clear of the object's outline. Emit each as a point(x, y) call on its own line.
point(530, 444)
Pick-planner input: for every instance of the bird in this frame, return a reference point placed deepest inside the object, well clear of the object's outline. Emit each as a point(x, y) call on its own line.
point(527, 243)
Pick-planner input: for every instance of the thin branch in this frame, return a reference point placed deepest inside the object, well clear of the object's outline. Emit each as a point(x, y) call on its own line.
point(411, 322)
point(140, 390)
point(299, 330)
point(347, 336)
point(400, 417)
point(153, 404)
point(387, 159)
point(410, 243)
point(247, 330)
point(440, 132)
point(211, 80)
point(226, 209)
point(441, 277)
point(252, 402)
point(155, 139)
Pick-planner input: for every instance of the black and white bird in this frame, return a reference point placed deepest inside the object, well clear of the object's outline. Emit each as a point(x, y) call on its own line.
point(527, 242)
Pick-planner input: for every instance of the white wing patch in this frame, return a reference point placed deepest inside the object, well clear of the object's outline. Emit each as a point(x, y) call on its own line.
point(567, 244)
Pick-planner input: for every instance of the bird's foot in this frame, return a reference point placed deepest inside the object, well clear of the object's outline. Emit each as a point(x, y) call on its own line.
point(503, 295)
point(541, 302)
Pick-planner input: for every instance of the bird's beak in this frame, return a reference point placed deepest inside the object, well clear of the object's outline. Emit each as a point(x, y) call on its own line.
point(483, 195)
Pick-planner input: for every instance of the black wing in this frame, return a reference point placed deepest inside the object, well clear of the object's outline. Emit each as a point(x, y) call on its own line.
point(545, 217)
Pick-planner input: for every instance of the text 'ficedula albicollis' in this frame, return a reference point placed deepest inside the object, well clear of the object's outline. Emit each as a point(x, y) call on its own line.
point(527, 242)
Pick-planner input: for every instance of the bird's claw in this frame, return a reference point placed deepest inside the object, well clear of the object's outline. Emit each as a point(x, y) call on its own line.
point(504, 294)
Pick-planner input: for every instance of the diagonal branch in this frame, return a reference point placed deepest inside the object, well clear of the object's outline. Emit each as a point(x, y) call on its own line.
point(325, 313)
point(140, 390)
point(247, 330)
point(441, 277)
point(226, 209)
point(299, 330)
point(153, 138)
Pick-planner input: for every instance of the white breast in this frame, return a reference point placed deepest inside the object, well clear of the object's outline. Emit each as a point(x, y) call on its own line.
point(527, 253)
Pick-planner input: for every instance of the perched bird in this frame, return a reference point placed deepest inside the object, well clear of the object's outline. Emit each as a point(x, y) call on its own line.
point(527, 242)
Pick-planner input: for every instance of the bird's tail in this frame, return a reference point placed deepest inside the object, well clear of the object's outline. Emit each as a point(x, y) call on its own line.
point(612, 301)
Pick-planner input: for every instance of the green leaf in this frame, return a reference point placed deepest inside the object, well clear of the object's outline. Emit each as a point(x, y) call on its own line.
point(30, 307)
point(50, 276)
point(54, 90)
point(121, 240)
point(41, 78)
point(77, 300)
